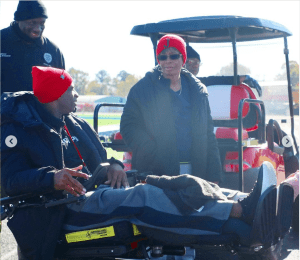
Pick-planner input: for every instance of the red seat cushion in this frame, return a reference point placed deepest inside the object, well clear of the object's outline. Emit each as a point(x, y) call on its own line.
point(229, 133)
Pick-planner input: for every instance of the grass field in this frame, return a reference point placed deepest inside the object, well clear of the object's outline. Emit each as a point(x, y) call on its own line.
point(105, 119)
point(103, 122)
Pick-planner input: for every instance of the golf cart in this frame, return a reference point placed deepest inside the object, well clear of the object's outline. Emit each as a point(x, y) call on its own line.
point(244, 138)
point(273, 214)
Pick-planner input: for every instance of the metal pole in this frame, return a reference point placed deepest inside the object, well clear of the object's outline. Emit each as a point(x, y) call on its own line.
point(240, 146)
point(232, 33)
point(286, 53)
point(154, 38)
point(261, 129)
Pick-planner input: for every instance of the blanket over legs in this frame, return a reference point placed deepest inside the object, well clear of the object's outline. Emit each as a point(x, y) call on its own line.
point(145, 206)
point(187, 192)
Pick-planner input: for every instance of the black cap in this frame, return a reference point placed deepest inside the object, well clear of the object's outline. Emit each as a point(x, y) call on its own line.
point(191, 53)
point(29, 10)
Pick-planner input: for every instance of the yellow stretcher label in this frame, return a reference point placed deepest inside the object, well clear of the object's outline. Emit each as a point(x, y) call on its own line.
point(90, 234)
point(136, 232)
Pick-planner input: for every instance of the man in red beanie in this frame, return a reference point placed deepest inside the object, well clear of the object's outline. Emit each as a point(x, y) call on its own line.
point(44, 145)
point(23, 46)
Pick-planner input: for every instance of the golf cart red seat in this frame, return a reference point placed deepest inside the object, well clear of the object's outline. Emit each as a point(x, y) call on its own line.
point(224, 104)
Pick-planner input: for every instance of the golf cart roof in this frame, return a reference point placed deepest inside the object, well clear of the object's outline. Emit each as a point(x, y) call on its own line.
point(212, 29)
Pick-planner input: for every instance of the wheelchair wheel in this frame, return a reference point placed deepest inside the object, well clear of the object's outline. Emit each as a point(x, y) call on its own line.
point(271, 253)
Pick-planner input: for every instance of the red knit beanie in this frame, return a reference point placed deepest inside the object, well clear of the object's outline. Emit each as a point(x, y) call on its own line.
point(49, 84)
point(171, 40)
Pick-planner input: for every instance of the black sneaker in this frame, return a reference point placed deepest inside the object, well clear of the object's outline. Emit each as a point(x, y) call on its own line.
point(266, 178)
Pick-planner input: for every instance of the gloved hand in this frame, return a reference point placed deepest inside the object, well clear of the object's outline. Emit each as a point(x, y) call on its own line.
point(252, 83)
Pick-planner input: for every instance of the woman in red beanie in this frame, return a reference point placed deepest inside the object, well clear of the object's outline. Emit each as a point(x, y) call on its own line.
point(166, 121)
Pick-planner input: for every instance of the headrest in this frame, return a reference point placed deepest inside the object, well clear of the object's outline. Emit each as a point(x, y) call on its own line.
point(224, 100)
point(224, 104)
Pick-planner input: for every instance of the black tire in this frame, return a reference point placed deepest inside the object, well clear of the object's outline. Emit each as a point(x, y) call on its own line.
point(295, 217)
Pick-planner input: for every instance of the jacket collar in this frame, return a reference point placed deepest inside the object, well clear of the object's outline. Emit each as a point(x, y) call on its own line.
point(24, 108)
point(156, 75)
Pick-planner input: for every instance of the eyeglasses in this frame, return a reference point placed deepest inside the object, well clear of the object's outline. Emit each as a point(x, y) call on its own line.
point(172, 57)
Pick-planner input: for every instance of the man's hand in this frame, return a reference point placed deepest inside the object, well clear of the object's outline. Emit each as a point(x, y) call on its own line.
point(63, 181)
point(116, 176)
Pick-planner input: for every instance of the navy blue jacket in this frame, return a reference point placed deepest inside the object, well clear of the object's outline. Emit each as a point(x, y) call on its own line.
point(29, 166)
point(148, 128)
point(18, 57)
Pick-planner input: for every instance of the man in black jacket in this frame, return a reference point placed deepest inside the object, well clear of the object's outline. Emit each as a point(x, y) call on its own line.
point(42, 146)
point(23, 46)
point(39, 140)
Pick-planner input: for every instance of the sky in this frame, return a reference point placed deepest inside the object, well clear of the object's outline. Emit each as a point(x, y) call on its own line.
point(95, 35)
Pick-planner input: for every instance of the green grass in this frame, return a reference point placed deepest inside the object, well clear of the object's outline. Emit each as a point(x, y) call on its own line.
point(104, 122)
point(115, 154)
point(109, 119)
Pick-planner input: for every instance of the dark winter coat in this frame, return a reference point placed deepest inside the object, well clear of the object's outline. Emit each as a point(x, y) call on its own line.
point(148, 128)
point(18, 57)
point(29, 166)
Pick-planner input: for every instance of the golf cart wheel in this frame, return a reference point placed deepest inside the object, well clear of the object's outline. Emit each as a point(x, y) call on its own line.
point(295, 217)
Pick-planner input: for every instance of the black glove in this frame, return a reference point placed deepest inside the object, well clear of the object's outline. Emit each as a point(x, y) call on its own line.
point(252, 83)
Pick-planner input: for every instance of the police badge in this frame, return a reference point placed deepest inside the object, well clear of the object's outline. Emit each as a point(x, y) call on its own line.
point(48, 57)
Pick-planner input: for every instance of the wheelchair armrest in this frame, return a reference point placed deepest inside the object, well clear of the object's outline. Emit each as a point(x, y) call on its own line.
point(68, 200)
point(9, 204)
point(16, 199)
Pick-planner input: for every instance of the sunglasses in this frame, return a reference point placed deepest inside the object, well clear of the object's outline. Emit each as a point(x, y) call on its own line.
point(172, 57)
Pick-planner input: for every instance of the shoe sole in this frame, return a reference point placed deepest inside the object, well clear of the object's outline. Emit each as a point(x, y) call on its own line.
point(285, 200)
point(267, 172)
point(264, 227)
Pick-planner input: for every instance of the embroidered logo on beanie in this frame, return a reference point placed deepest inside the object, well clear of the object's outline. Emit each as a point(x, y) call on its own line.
point(171, 40)
point(49, 84)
